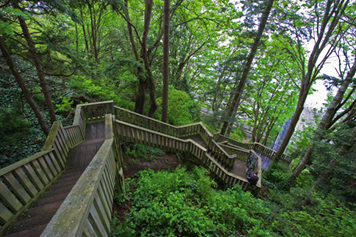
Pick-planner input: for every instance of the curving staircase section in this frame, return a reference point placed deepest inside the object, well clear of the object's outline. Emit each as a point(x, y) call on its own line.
point(77, 201)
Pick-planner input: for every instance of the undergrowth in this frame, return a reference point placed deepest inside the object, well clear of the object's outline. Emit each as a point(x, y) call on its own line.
point(146, 152)
point(181, 203)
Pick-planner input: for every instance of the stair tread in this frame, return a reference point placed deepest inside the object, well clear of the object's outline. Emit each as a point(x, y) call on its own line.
point(34, 232)
point(50, 199)
point(58, 191)
point(33, 221)
point(45, 208)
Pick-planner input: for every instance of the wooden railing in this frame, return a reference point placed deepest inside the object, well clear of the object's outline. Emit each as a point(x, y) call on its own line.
point(24, 182)
point(132, 133)
point(253, 146)
point(242, 154)
point(87, 208)
point(178, 132)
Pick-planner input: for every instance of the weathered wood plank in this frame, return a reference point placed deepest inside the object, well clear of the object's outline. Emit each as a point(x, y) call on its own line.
point(5, 214)
point(104, 198)
point(55, 162)
point(40, 172)
point(98, 221)
point(25, 180)
point(34, 177)
point(45, 168)
point(88, 229)
point(51, 165)
point(17, 188)
point(105, 219)
point(9, 198)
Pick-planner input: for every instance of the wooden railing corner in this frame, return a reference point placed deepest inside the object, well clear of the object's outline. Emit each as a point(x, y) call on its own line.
point(48, 145)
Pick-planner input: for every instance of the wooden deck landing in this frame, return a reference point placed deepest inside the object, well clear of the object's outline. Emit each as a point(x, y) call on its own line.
point(199, 140)
point(82, 155)
point(239, 167)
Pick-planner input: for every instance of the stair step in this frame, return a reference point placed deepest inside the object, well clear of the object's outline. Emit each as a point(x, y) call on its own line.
point(46, 208)
point(59, 191)
point(34, 232)
point(55, 198)
point(68, 178)
point(33, 221)
point(71, 173)
point(64, 183)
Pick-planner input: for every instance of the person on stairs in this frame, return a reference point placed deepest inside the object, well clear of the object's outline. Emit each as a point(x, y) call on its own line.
point(252, 181)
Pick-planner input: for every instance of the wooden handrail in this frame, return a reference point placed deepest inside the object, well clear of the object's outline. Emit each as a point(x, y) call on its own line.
point(242, 154)
point(132, 133)
point(174, 131)
point(254, 146)
point(87, 208)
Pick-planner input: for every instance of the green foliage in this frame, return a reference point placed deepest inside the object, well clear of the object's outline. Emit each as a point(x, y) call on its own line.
point(66, 104)
point(182, 203)
point(18, 139)
point(182, 109)
point(20, 134)
point(146, 152)
point(277, 173)
point(210, 127)
point(185, 204)
point(334, 164)
point(119, 230)
point(318, 216)
point(238, 133)
point(301, 141)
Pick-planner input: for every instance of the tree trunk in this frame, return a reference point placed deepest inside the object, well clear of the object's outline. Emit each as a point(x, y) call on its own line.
point(246, 71)
point(141, 97)
point(23, 87)
point(300, 106)
point(40, 74)
point(144, 55)
point(165, 61)
point(324, 121)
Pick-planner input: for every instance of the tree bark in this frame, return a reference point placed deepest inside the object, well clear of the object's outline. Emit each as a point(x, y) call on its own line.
point(246, 71)
point(165, 60)
point(38, 65)
point(141, 97)
point(144, 55)
point(23, 87)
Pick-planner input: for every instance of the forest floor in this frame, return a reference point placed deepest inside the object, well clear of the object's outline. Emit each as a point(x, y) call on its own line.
point(133, 165)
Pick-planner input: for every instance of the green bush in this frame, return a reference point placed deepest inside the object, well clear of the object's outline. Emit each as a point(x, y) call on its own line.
point(185, 204)
point(182, 109)
point(277, 173)
point(182, 203)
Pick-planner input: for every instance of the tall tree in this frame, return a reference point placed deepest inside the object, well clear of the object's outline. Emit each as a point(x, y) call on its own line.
point(21, 82)
point(238, 93)
point(326, 119)
point(165, 60)
point(327, 18)
point(37, 62)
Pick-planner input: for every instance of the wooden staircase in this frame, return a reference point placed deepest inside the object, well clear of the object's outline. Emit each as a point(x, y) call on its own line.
point(89, 153)
point(34, 221)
